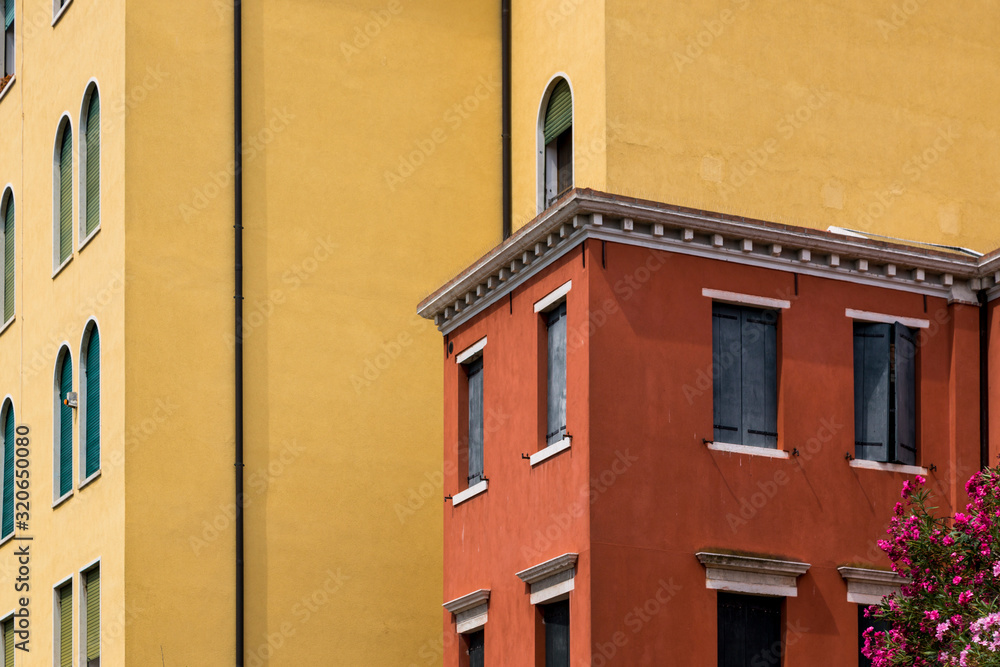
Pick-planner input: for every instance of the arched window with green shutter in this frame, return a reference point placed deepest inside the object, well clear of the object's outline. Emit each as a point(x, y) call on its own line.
point(7, 424)
point(90, 402)
point(62, 200)
point(90, 164)
point(63, 426)
point(7, 219)
point(9, 35)
point(556, 138)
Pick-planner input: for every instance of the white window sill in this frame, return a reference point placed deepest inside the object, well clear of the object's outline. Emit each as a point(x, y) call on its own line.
point(88, 239)
point(766, 452)
point(470, 492)
point(7, 324)
point(550, 451)
point(7, 539)
point(62, 266)
point(62, 10)
point(90, 479)
point(59, 501)
point(888, 467)
point(6, 89)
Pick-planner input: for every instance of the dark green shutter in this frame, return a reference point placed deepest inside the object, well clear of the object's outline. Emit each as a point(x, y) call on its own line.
point(93, 614)
point(8, 261)
point(66, 195)
point(65, 428)
point(66, 626)
point(474, 370)
point(8, 643)
point(871, 391)
point(8, 15)
point(555, 617)
point(93, 166)
point(559, 113)
point(8, 472)
point(760, 377)
point(727, 371)
point(905, 389)
point(93, 397)
point(556, 327)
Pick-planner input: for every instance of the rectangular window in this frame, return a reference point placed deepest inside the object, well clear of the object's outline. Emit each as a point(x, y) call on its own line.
point(8, 48)
point(864, 624)
point(90, 617)
point(474, 377)
point(475, 641)
point(745, 371)
point(885, 389)
point(555, 326)
point(64, 625)
point(555, 619)
point(749, 630)
point(7, 628)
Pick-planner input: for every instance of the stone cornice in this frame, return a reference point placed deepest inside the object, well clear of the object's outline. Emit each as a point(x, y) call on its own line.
point(467, 602)
point(747, 574)
point(865, 586)
point(590, 214)
point(547, 569)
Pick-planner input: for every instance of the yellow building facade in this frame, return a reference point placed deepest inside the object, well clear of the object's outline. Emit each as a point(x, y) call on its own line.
point(371, 174)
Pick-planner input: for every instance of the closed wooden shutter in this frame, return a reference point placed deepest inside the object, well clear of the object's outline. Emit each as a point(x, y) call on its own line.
point(474, 370)
point(66, 626)
point(8, 472)
point(477, 649)
point(905, 389)
point(66, 195)
point(871, 391)
point(727, 371)
point(555, 616)
point(93, 166)
point(93, 614)
point(556, 325)
point(559, 113)
point(65, 428)
point(8, 14)
point(93, 396)
point(8, 260)
point(760, 377)
point(749, 630)
point(8, 643)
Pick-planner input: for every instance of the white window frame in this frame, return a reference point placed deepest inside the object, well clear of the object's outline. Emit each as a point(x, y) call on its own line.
point(56, 619)
point(84, 194)
point(546, 154)
point(82, 606)
point(65, 121)
point(58, 11)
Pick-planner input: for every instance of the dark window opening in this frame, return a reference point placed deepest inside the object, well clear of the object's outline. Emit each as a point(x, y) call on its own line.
point(877, 625)
point(555, 618)
point(476, 649)
point(749, 631)
point(555, 324)
point(474, 375)
point(885, 393)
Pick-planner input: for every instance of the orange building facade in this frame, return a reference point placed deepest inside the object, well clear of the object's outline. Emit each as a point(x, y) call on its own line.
point(656, 521)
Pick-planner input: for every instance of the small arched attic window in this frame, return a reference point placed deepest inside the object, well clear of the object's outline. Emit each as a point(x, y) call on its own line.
point(556, 150)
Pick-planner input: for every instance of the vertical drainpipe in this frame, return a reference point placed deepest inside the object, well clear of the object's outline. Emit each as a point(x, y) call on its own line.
point(506, 103)
point(984, 380)
point(238, 299)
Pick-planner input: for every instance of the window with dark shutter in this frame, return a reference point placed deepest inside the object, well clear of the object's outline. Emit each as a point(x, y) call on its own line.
point(555, 321)
point(558, 142)
point(745, 372)
point(8, 471)
point(65, 430)
point(8, 259)
point(749, 630)
point(91, 385)
point(65, 237)
point(555, 617)
point(8, 49)
point(64, 615)
point(8, 642)
point(884, 393)
point(474, 373)
point(91, 610)
point(477, 649)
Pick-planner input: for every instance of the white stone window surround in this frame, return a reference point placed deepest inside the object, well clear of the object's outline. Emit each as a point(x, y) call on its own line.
point(553, 298)
point(888, 467)
point(881, 318)
point(551, 580)
point(550, 451)
point(471, 492)
point(471, 611)
point(866, 586)
point(746, 299)
point(746, 574)
point(749, 450)
point(470, 353)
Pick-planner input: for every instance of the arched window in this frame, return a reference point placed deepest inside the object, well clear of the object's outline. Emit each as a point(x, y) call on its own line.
point(555, 149)
point(90, 403)
point(7, 424)
point(7, 228)
point(62, 198)
point(90, 163)
point(63, 425)
point(8, 41)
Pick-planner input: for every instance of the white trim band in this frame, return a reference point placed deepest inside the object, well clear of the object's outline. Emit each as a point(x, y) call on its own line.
point(553, 297)
point(866, 586)
point(888, 467)
point(881, 318)
point(757, 576)
point(470, 492)
point(551, 450)
point(745, 299)
point(749, 450)
point(468, 353)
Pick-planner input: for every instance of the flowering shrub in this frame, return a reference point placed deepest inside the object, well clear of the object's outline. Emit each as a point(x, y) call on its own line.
point(949, 611)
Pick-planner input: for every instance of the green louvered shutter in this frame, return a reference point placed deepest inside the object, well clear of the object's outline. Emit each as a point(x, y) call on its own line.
point(559, 115)
point(66, 626)
point(93, 403)
point(65, 429)
point(8, 643)
point(8, 472)
point(66, 195)
point(93, 163)
point(8, 15)
point(8, 261)
point(93, 614)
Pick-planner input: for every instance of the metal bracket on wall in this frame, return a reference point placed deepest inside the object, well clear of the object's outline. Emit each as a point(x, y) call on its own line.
point(848, 457)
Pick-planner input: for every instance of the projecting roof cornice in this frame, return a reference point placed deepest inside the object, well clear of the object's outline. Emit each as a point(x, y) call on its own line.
point(583, 214)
